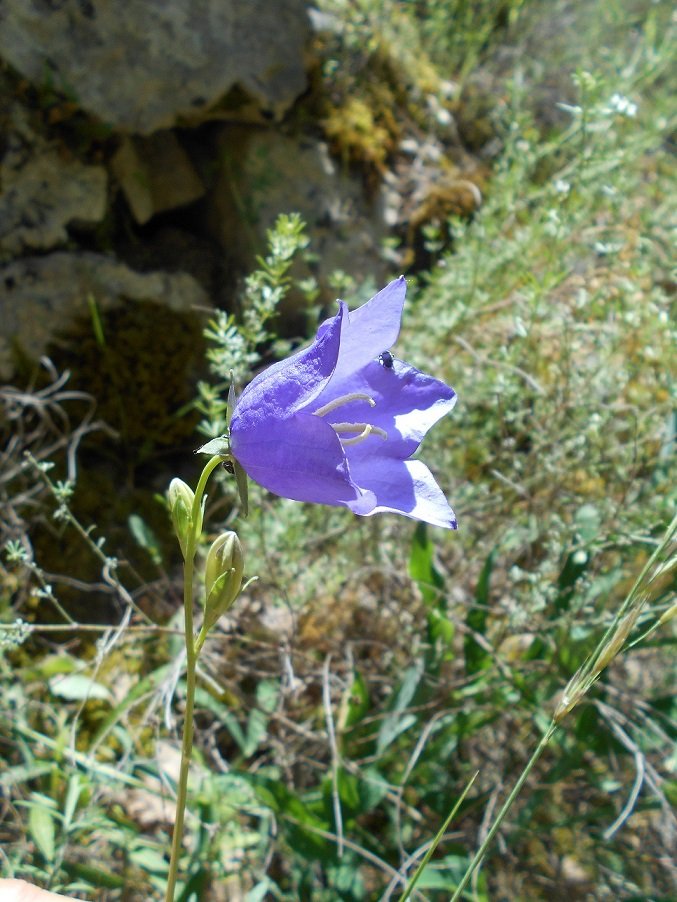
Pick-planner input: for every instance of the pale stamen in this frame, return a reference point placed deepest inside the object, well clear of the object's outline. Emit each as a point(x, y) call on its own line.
point(344, 399)
point(364, 430)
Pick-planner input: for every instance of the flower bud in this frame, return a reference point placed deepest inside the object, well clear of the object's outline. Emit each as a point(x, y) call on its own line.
point(223, 576)
point(180, 498)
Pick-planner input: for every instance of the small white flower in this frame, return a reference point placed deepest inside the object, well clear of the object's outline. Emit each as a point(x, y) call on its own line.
point(622, 105)
point(519, 327)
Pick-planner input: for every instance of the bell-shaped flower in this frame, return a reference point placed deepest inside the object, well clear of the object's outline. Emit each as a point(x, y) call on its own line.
point(338, 422)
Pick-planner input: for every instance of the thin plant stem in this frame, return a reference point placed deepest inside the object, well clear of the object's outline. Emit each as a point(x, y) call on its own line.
point(187, 742)
point(191, 662)
point(109, 564)
point(433, 845)
point(607, 648)
point(479, 855)
point(77, 627)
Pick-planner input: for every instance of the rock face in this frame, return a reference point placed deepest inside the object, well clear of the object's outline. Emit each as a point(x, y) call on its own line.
point(46, 195)
point(146, 64)
point(41, 296)
point(155, 174)
point(263, 173)
point(43, 190)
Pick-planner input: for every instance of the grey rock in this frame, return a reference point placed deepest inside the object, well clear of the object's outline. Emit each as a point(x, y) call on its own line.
point(155, 174)
point(41, 296)
point(264, 174)
point(146, 64)
point(43, 191)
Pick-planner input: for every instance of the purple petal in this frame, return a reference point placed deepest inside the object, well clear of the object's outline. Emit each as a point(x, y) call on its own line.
point(371, 328)
point(408, 404)
point(281, 444)
point(403, 487)
point(300, 457)
point(286, 386)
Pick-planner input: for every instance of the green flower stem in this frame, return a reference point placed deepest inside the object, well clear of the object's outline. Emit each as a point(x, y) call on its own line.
point(479, 855)
point(200, 641)
point(191, 661)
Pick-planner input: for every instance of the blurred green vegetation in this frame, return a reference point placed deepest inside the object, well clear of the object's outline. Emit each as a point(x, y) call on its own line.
point(377, 665)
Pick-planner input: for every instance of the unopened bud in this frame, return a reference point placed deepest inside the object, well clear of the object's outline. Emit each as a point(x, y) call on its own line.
point(223, 576)
point(181, 497)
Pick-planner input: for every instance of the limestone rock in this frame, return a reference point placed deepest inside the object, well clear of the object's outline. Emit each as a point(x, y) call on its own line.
point(43, 191)
point(150, 63)
point(155, 174)
point(264, 173)
point(40, 296)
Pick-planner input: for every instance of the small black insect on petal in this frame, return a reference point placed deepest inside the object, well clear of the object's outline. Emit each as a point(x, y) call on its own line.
point(386, 359)
point(229, 466)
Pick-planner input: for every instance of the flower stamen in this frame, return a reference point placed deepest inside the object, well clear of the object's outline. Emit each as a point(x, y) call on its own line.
point(364, 430)
point(344, 399)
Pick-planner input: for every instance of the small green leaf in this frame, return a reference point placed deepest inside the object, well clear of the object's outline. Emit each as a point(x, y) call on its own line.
point(348, 789)
point(219, 445)
point(145, 538)
point(355, 702)
point(41, 828)
point(427, 577)
point(76, 687)
point(397, 722)
point(72, 798)
point(422, 565)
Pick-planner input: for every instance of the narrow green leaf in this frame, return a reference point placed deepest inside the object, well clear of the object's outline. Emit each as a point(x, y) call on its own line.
point(13, 776)
point(476, 657)
point(72, 798)
point(422, 566)
point(41, 829)
point(427, 577)
point(95, 876)
point(145, 538)
point(397, 722)
point(356, 701)
point(97, 324)
point(438, 836)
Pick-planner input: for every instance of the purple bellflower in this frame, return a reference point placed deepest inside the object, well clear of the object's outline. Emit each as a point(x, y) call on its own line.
point(338, 422)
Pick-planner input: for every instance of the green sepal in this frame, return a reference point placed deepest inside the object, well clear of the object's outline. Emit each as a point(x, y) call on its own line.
point(230, 405)
point(242, 488)
point(220, 446)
